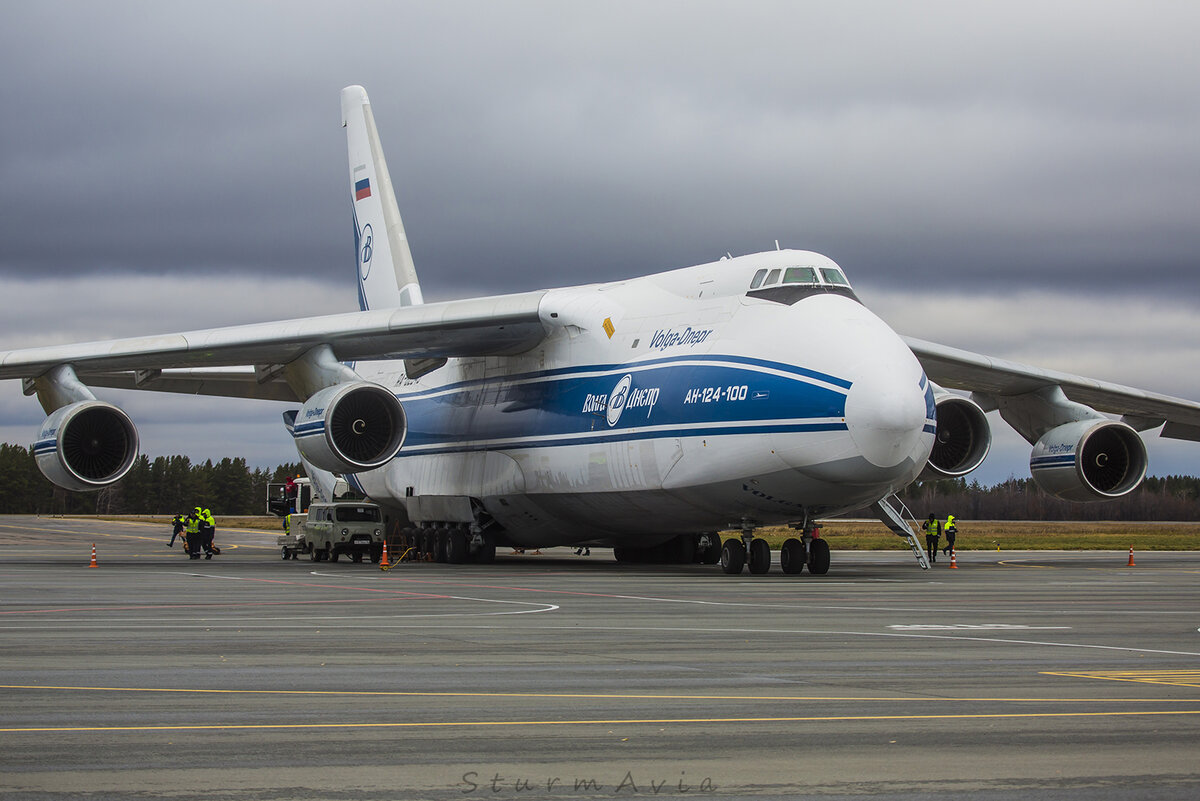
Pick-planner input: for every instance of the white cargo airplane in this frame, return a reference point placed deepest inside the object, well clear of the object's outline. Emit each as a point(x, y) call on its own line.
point(645, 414)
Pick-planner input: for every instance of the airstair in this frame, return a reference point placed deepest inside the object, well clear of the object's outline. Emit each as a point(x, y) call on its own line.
point(902, 523)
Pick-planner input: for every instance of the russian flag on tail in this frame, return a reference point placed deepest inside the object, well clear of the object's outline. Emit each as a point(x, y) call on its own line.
point(362, 189)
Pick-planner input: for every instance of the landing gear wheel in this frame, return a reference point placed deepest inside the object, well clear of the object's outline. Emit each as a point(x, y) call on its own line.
point(314, 555)
point(285, 553)
point(486, 554)
point(333, 555)
point(356, 557)
point(733, 556)
point(760, 556)
point(791, 556)
point(712, 554)
point(440, 544)
point(457, 547)
point(818, 557)
point(684, 550)
point(428, 540)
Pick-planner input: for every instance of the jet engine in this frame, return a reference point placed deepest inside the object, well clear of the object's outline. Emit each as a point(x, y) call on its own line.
point(962, 441)
point(86, 445)
point(350, 427)
point(1089, 460)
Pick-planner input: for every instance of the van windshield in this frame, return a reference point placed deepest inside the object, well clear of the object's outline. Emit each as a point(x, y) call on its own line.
point(358, 514)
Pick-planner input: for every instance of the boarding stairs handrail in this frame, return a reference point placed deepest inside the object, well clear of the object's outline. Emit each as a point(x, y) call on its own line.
point(902, 523)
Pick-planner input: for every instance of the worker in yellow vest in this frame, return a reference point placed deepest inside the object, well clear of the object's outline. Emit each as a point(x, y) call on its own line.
point(933, 529)
point(951, 532)
point(191, 530)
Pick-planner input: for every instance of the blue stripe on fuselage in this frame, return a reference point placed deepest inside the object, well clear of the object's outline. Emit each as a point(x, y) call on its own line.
point(671, 397)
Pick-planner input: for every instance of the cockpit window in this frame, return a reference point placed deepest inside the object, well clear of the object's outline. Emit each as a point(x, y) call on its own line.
point(758, 279)
point(800, 275)
point(834, 276)
point(772, 278)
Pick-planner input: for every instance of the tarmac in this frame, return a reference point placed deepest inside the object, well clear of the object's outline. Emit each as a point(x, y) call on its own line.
point(1065, 675)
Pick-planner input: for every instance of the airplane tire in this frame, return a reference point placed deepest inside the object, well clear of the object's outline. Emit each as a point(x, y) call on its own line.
point(712, 554)
point(486, 554)
point(684, 549)
point(733, 556)
point(760, 556)
point(457, 547)
point(333, 555)
point(818, 557)
point(314, 555)
point(627, 555)
point(791, 556)
point(285, 553)
point(356, 557)
point(441, 541)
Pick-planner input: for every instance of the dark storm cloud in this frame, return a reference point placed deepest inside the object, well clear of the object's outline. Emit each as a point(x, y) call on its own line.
point(543, 143)
point(1027, 166)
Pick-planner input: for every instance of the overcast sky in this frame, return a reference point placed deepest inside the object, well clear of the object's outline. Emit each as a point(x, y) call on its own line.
point(1020, 179)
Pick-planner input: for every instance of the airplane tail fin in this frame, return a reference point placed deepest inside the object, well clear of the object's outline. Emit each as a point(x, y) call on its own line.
point(387, 277)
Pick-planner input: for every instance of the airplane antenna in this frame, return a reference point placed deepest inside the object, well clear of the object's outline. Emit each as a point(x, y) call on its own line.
point(777, 244)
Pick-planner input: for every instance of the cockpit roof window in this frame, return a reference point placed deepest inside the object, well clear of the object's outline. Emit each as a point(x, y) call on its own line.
point(834, 276)
point(800, 275)
point(758, 278)
point(773, 277)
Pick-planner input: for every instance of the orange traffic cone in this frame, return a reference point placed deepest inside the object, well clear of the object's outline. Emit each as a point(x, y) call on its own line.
point(1130, 557)
point(953, 559)
point(93, 564)
point(383, 562)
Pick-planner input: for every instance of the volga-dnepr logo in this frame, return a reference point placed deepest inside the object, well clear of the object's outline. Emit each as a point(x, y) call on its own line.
point(623, 396)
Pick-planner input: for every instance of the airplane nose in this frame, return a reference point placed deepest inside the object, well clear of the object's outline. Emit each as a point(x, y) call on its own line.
point(885, 413)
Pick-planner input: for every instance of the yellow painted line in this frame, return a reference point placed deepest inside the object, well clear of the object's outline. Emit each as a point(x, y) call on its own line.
point(1174, 678)
point(599, 696)
point(615, 722)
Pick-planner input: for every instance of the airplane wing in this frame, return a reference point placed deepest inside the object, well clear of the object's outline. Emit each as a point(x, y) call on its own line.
point(960, 369)
point(504, 324)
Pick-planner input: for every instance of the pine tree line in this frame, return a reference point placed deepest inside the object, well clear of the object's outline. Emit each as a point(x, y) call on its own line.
point(1175, 498)
point(172, 484)
point(164, 485)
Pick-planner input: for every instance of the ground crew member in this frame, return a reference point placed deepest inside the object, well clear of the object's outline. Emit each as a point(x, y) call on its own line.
point(192, 532)
point(951, 533)
point(932, 532)
point(177, 529)
point(208, 530)
point(287, 524)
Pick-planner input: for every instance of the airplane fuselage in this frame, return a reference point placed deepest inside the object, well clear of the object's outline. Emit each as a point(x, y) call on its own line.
point(674, 403)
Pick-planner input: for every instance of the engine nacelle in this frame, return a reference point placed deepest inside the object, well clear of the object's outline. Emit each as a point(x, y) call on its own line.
point(963, 438)
point(86, 445)
point(1089, 460)
point(350, 427)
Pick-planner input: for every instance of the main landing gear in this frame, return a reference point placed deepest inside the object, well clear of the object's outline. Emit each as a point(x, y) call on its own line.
point(755, 553)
